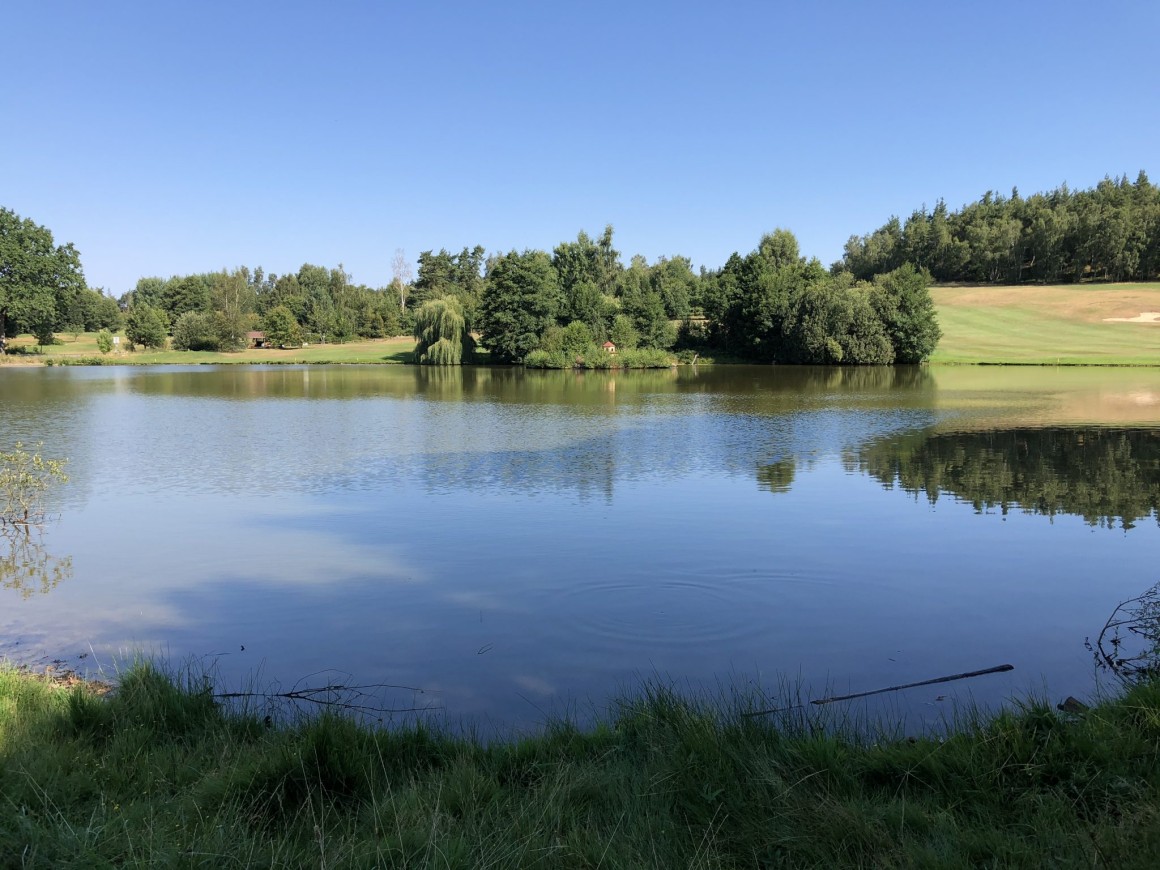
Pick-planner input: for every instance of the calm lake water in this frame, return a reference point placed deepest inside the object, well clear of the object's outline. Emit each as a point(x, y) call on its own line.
point(521, 544)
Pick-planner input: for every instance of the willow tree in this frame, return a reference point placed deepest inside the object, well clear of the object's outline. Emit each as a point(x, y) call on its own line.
point(443, 333)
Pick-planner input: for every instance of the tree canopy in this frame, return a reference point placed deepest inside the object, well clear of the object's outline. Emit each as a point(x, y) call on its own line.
point(522, 299)
point(146, 326)
point(773, 305)
point(1107, 233)
point(313, 304)
point(40, 282)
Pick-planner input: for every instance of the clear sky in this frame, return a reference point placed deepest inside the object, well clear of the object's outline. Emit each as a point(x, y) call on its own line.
point(167, 138)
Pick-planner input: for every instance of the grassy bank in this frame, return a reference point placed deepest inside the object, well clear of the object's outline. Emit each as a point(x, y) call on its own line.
point(158, 775)
point(82, 350)
point(1067, 325)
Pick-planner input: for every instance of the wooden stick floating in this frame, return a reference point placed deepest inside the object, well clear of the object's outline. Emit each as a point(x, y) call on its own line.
point(998, 669)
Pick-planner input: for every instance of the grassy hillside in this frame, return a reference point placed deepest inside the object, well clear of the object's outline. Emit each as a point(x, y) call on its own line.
point(1048, 325)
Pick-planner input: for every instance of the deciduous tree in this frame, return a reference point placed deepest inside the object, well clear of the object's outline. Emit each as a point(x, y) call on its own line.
point(903, 303)
point(36, 277)
point(522, 299)
point(401, 280)
point(146, 326)
point(281, 328)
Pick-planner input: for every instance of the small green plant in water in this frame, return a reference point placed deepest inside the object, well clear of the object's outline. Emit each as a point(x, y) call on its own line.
point(25, 477)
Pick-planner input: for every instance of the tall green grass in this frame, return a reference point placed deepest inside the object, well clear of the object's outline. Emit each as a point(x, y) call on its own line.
point(158, 773)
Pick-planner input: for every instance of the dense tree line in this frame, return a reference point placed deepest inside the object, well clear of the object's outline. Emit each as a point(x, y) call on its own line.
point(774, 305)
point(552, 309)
point(216, 310)
point(1108, 233)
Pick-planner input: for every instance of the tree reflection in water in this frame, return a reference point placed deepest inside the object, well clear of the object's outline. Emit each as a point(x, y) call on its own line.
point(1108, 476)
point(26, 566)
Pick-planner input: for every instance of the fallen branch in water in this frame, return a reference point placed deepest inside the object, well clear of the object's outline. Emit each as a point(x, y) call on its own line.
point(998, 669)
point(338, 695)
point(1129, 643)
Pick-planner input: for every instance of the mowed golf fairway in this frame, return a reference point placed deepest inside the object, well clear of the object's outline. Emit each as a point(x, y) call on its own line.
point(1061, 325)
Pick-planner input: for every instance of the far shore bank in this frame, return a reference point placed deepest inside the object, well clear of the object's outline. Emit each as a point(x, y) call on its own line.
point(1068, 325)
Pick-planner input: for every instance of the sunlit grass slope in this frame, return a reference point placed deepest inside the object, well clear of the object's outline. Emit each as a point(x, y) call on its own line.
point(1048, 325)
point(158, 775)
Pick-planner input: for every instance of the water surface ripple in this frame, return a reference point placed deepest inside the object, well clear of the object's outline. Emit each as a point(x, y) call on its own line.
point(522, 543)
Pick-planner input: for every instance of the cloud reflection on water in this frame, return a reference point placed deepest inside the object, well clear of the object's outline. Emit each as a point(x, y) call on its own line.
point(580, 531)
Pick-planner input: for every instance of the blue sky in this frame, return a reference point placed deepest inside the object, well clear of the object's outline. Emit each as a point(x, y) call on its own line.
point(165, 138)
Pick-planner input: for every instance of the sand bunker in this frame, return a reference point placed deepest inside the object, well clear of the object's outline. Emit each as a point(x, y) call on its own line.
point(1146, 317)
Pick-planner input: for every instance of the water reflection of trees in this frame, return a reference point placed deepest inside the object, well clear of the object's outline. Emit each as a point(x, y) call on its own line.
point(1104, 475)
point(514, 384)
point(524, 430)
point(26, 566)
point(777, 476)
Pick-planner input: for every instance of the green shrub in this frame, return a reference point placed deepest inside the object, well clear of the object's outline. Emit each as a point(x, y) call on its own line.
point(196, 330)
point(542, 359)
point(79, 361)
point(645, 358)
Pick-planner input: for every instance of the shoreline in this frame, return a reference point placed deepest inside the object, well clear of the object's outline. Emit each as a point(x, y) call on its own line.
point(66, 363)
point(160, 772)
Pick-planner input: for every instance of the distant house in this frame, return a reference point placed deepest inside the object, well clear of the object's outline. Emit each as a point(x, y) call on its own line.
point(609, 346)
point(256, 339)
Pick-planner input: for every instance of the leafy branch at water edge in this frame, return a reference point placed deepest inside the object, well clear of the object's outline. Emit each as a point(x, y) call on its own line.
point(25, 477)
